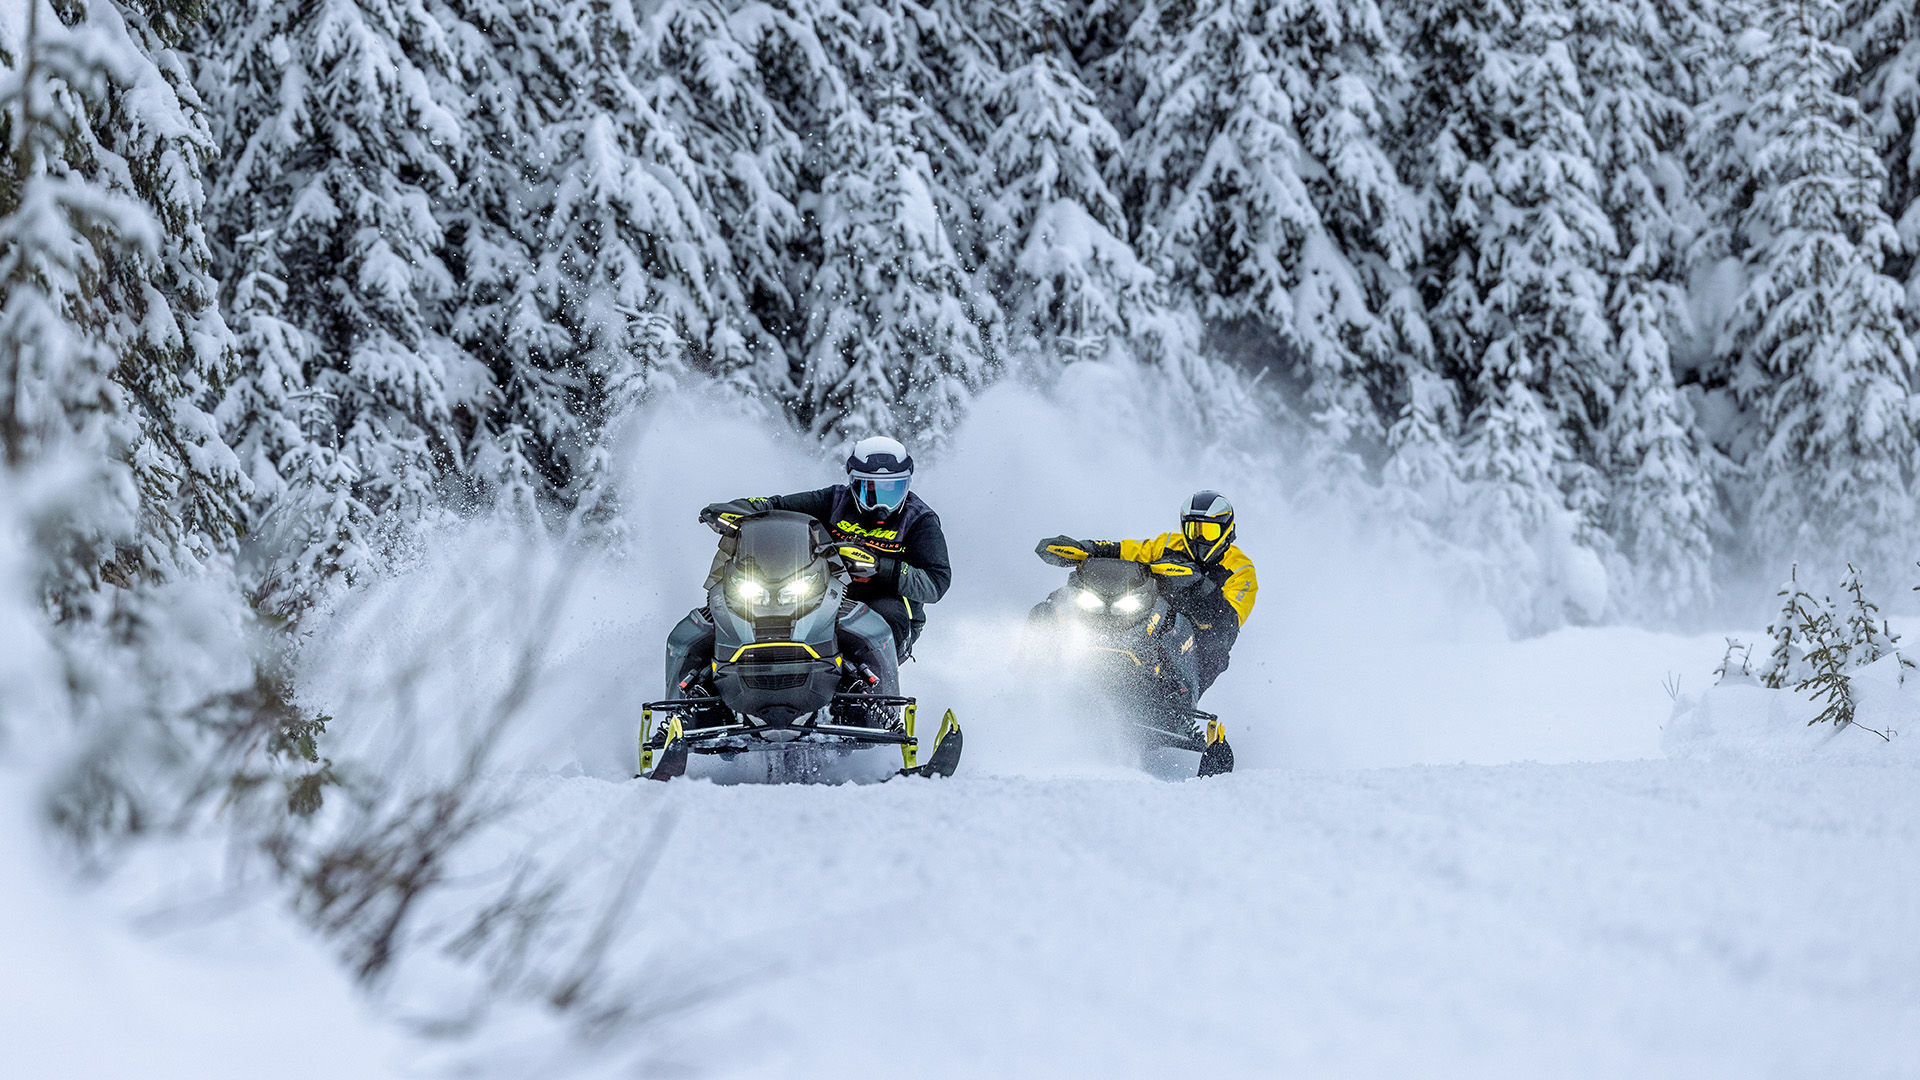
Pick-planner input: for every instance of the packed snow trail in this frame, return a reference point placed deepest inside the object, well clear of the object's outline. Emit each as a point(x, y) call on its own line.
point(1625, 919)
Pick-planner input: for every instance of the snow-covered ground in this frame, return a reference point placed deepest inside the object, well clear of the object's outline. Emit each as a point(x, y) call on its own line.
point(1609, 919)
point(144, 978)
point(1446, 853)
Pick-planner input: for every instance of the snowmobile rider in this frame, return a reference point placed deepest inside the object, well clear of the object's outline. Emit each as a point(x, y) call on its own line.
point(1220, 595)
point(890, 540)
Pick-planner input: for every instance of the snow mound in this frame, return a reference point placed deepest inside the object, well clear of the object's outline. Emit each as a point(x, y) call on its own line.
point(1743, 721)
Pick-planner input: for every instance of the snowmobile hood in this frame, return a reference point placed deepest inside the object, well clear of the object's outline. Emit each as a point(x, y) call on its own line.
point(1111, 578)
point(777, 544)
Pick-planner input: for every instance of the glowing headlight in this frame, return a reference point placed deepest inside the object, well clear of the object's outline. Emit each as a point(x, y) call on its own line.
point(749, 590)
point(800, 588)
point(1129, 603)
point(1089, 600)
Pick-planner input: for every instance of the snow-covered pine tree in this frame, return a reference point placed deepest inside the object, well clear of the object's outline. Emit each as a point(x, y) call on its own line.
point(1783, 658)
point(737, 88)
point(512, 84)
point(891, 339)
point(112, 348)
point(950, 57)
point(1816, 348)
point(341, 163)
point(1071, 282)
point(1258, 178)
point(308, 532)
point(1884, 36)
point(119, 490)
point(590, 219)
point(1867, 636)
point(1661, 506)
point(1516, 241)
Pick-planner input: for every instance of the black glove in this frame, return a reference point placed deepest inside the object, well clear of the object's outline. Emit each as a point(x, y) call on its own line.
point(724, 517)
point(1062, 551)
point(860, 560)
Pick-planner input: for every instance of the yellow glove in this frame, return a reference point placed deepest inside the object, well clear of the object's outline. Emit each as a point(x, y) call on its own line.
point(861, 561)
point(1061, 551)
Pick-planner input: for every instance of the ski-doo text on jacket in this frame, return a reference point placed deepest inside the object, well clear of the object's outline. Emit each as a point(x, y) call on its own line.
point(911, 568)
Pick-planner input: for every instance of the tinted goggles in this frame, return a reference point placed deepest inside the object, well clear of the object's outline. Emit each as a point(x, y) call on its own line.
point(1205, 531)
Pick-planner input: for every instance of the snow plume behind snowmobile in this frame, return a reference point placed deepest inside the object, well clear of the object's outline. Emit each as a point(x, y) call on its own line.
point(798, 683)
point(1113, 619)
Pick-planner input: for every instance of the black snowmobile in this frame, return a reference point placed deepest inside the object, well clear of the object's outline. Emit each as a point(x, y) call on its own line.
point(1114, 612)
point(780, 677)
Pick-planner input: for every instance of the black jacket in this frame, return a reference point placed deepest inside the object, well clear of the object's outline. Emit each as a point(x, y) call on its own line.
point(912, 549)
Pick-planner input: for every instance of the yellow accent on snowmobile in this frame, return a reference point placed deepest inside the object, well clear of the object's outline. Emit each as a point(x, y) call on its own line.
point(947, 726)
point(910, 750)
point(1216, 732)
point(744, 649)
point(1170, 569)
point(675, 732)
point(1065, 552)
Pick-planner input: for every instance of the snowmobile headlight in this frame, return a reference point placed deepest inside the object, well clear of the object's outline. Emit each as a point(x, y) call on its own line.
point(801, 588)
point(1130, 603)
point(749, 590)
point(1089, 600)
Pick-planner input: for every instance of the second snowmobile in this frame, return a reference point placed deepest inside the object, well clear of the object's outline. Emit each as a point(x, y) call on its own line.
point(780, 677)
point(1113, 613)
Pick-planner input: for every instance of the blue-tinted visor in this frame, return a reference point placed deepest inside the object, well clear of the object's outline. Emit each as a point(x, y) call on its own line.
point(880, 492)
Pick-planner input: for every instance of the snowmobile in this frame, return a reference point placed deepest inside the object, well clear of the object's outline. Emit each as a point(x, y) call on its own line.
point(781, 677)
point(1114, 614)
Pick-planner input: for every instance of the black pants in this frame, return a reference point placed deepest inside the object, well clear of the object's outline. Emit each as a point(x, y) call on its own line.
point(1211, 648)
point(905, 622)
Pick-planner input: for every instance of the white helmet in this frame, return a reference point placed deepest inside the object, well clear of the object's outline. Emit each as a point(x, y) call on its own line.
point(879, 470)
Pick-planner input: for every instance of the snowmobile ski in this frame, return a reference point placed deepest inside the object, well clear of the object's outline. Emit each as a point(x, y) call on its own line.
point(670, 758)
point(1217, 758)
point(947, 743)
point(666, 748)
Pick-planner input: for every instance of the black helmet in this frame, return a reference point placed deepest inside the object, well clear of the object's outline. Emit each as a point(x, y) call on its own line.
point(1207, 523)
point(879, 470)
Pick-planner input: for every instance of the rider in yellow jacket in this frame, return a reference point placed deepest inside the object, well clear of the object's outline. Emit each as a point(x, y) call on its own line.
point(1217, 608)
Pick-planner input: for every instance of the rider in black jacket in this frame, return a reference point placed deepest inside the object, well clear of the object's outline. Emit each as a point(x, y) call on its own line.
point(889, 538)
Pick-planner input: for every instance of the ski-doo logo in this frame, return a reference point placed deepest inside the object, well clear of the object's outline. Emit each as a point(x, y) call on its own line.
point(851, 528)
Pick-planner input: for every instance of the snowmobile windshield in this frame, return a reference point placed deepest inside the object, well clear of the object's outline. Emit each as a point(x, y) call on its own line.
point(880, 491)
point(1115, 589)
point(776, 567)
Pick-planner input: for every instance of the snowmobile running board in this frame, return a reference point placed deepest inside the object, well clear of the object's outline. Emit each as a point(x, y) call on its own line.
point(1216, 755)
point(1180, 740)
point(670, 758)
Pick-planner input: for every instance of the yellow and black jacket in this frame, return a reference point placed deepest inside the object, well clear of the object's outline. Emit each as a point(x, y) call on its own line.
point(1222, 609)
